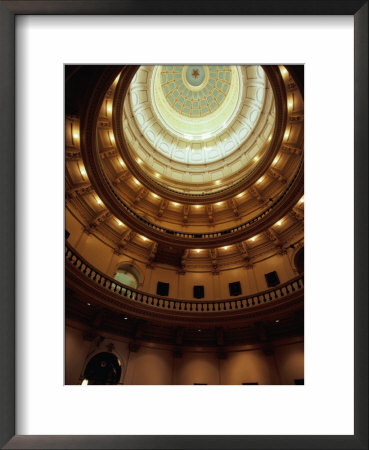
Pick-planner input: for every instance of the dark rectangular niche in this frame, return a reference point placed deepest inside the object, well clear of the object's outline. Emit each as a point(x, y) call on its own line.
point(162, 288)
point(245, 384)
point(300, 381)
point(200, 384)
point(198, 292)
point(67, 234)
point(272, 279)
point(235, 288)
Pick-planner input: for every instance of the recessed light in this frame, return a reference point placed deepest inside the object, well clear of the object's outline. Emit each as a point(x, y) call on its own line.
point(279, 223)
point(225, 247)
point(144, 238)
point(275, 160)
point(120, 223)
point(302, 199)
point(198, 250)
point(75, 135)
point(98, 200)
point(109, 108)
point(219, 203)
point(277, 320)
point(157, 175)
point(256, 158)
point(83, 171)
point(154, 195)
point(88, 304)
point(197, 206)
point(253, 238)
point(175, 203)
point(136, 181)
point(121, 162)
point(217, 182)
point(199, 330)
point(241, 194)
point(260, 180)
point(112, 138)
point(139, 161)
point(125, 318)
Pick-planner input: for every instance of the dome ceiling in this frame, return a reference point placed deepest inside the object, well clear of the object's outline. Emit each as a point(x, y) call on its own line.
point(192, 110)
point(198, 128)
point(114, 201)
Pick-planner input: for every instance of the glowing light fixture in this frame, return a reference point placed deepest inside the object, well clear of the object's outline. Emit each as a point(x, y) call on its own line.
point(121, 162)
point(175, 203)
point(111, 135)
point(253, 238)
point(157, 175)
point(139, 161)
point(219, 203)
point(198, 250)
point(83, 171)
point(109, 108)
point(302, 200)
point(279, 223)
point(260, 180)
point(88, 304)
point(136, 181)
point(241, 194)
point(120, 223)
point(197, 206)
point(154, 195)
point(144, 238)
point(276, 160)
point(256, 158)
point(225, 247)
point(84, 382)
point(286, 134)
point(217, 182)
point(269, 138)
point(75, 134)
point(98, 201)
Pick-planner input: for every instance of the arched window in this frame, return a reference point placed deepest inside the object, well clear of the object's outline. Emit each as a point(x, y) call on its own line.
point(128, 275)
point(299, 260)
point(103, 368)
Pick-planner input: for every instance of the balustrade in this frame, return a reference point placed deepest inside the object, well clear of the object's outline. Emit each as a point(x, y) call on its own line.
point(207, 235)
point(135, 295)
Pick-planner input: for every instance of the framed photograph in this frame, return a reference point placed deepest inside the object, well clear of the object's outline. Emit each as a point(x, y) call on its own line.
point(156, 165)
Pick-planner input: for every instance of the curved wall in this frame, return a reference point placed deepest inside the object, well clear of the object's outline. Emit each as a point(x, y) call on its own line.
point(157, 365)
point(251, 277)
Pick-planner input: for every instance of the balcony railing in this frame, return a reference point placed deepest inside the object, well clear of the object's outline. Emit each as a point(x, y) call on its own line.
point(239, 303)
point(207, 235)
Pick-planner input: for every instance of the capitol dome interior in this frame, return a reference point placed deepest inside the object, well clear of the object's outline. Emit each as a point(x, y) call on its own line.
point(184, 225)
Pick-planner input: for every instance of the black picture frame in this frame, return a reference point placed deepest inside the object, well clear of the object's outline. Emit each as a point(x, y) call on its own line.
point(8, 11)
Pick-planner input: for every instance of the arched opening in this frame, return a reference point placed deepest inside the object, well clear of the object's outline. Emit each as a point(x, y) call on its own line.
point(299, 260)
point(103, 368)
point(128, 275)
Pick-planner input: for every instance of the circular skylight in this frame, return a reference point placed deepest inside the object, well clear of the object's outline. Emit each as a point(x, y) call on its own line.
point(195, 91)
point(196, 102)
